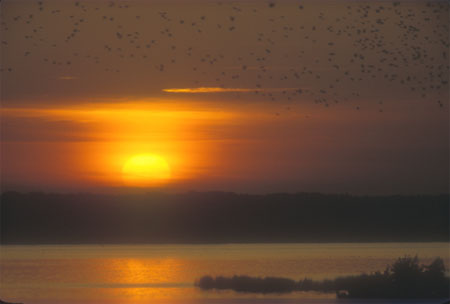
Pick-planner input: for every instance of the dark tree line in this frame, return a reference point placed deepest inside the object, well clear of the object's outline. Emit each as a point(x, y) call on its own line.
point(219, 217)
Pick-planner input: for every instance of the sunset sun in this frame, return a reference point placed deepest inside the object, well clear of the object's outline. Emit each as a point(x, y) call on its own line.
point(145, 170)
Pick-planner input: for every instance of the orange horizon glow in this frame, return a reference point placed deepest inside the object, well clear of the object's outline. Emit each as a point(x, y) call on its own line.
point(207, 145)
point(115, 134)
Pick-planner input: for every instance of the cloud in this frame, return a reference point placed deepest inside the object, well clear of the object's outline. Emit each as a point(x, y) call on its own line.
point(206, 90)
point(41, 129)
point(224, 90)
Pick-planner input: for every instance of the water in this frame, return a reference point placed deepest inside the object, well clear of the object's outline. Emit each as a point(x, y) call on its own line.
point(166, 273)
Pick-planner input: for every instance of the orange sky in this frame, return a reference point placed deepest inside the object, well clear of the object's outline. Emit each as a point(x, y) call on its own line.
point(238, 148)
point(238, 96)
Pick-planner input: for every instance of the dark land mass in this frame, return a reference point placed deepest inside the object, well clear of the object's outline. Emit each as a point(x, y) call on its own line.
point(219, 217)
point(405, 279)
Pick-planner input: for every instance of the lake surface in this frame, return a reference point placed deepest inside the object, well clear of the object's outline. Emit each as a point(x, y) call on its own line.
point(166, 273)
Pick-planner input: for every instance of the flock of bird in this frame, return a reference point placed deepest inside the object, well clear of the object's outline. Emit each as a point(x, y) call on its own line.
point(278, 50)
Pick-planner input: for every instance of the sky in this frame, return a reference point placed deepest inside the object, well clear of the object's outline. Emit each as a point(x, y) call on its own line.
point(244, 96)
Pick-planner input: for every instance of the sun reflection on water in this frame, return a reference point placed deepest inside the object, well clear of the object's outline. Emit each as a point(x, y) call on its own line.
point(139, 279)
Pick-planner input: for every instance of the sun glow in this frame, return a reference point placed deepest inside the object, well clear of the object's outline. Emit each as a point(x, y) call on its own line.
point(145, 170)
point(97, 145)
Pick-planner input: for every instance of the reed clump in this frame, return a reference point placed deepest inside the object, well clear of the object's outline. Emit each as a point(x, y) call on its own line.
point(405, 279)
